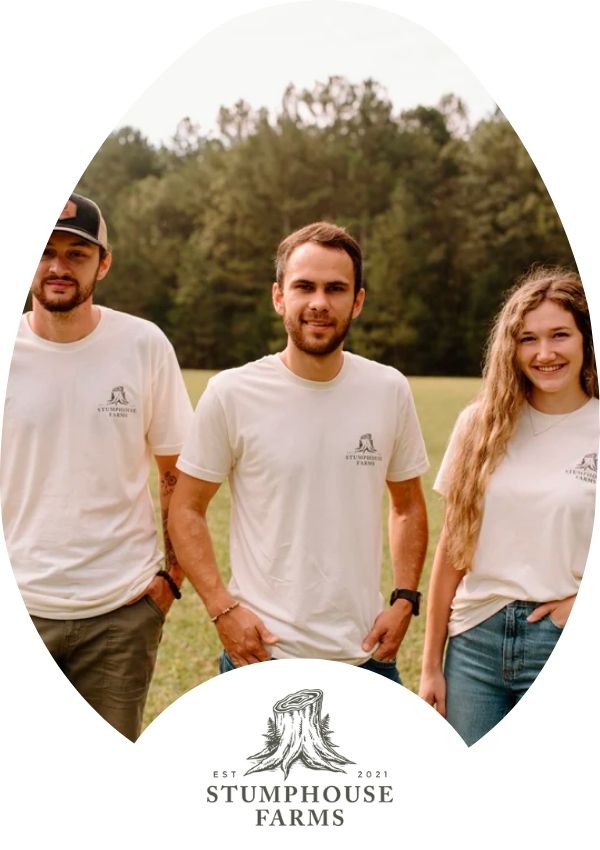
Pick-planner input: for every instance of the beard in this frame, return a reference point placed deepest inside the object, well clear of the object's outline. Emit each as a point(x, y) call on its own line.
point(318, 348)
point(63, 304)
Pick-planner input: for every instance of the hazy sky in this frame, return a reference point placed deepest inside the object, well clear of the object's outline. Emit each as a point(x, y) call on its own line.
point(255, 56)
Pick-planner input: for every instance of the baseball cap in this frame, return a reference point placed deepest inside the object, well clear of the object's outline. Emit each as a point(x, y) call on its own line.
point(83, 217)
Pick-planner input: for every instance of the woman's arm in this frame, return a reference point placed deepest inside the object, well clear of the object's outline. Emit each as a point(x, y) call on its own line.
point(442, 588)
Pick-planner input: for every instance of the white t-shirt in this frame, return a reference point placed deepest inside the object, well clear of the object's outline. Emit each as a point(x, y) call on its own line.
point(81, 423)
point(538, 514)
point(307, 463)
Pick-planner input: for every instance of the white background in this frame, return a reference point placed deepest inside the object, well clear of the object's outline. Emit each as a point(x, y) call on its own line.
point(70, 72)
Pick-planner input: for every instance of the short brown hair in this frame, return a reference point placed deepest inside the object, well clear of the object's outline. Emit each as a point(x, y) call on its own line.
point(328, 236)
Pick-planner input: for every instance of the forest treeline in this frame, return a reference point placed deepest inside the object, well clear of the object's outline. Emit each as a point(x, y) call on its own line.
point(448, 216)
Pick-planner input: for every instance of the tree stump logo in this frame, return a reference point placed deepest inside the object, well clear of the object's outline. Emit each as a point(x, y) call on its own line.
point(297, 732)
point(118, 405)
point(365, 454)
point(118, 396)
point(586, 469)
point(589, 461)
point(365, 444)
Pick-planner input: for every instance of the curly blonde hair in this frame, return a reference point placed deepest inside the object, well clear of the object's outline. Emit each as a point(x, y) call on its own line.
point(505, 389)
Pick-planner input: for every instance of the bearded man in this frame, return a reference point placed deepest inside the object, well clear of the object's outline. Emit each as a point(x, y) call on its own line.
point(308, 438)
point(92, 395)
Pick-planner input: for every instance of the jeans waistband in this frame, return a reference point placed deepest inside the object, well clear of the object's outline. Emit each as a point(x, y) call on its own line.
point(521, 605)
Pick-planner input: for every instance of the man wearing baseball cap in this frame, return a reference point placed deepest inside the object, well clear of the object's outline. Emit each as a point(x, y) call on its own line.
point(92, 395)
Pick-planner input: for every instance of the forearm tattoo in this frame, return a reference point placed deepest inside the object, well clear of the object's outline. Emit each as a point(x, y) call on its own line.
point(167, 483)
point(170, 557)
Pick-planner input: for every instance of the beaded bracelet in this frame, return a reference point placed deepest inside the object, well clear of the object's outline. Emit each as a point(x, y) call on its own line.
point(171, 582)
point(225, 611)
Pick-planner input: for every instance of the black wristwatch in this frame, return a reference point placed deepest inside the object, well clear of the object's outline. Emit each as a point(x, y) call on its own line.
point(413, 597)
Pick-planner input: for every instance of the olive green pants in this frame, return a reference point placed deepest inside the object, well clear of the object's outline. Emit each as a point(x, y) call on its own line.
point(109, 659)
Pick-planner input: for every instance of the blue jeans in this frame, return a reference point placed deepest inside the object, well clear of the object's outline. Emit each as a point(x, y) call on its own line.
point(384, 668)
point(489, 667)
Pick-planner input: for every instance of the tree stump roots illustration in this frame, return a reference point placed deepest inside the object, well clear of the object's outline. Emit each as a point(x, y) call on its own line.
point(298, 732)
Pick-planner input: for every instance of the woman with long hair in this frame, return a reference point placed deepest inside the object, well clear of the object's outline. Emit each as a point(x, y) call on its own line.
point(519, 480)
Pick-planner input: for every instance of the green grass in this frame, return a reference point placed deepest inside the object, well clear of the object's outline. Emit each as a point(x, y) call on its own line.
point(190, 646)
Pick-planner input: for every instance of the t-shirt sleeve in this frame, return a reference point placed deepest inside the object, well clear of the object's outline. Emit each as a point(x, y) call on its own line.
point(171, 406)
point(207, 453)
point(409, 457)
point(442, 479)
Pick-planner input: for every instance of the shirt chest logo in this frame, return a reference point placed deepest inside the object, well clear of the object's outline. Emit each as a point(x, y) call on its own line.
point(365, 454)
point(118, 405)
point(586, 469)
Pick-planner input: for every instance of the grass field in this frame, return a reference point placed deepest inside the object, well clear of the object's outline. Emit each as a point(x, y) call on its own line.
point(190, 646)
